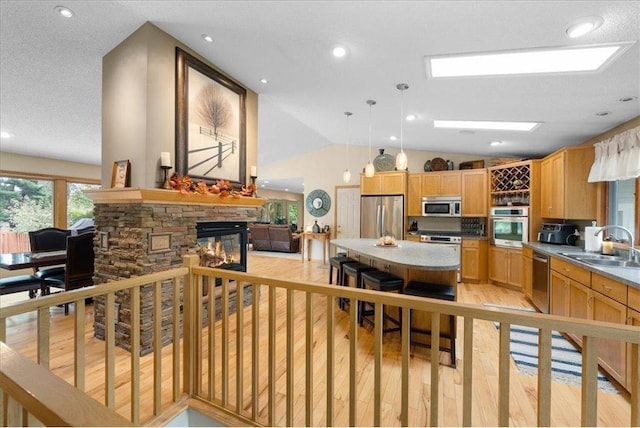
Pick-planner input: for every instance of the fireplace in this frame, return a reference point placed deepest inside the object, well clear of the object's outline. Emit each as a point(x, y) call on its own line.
point(222, 244)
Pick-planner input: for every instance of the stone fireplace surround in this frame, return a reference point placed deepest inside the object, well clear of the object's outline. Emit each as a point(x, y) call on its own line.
point(140, 231)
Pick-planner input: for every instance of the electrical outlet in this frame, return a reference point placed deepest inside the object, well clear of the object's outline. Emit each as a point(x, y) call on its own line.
point(116, 312)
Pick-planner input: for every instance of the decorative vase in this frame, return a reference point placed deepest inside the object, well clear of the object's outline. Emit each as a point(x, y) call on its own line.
point(316, 227)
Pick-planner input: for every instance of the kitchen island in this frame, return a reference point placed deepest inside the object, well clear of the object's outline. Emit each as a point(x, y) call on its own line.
point(406, 254)
point(412, 261)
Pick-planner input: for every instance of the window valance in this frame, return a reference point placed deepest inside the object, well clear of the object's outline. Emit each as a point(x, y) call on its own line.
point(617, 158)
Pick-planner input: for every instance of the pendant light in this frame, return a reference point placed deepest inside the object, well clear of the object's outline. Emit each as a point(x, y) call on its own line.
point(346, 175)
point(401, 159)
point(370, 170)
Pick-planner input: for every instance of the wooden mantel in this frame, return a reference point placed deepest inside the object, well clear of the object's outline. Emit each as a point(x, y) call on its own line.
point(137, 195)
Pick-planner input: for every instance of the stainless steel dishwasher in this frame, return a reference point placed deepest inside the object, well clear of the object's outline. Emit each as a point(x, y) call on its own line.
point(541, 281)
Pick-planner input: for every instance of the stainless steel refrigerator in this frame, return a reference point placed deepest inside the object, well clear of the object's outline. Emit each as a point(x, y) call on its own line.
point(381, 215)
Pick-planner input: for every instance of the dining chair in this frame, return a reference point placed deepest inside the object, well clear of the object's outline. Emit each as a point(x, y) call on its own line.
point(79, 267)
point(48, 239)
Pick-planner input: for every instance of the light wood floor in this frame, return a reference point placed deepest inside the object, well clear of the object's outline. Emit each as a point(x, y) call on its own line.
point(613, 409)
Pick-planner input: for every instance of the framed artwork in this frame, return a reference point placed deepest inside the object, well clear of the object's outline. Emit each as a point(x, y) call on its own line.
point(121, 174)
point(210, 123)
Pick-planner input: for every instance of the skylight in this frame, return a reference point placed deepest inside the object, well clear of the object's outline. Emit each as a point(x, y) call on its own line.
point(485, 124)
point(536, 61)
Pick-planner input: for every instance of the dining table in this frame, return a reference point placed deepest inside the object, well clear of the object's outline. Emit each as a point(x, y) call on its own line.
point(28, 259)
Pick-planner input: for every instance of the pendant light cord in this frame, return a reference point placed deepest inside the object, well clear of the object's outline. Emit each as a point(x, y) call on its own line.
point(401, 117)
point(371, 104)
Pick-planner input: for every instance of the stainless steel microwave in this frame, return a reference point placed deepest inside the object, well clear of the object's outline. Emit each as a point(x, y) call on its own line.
point(442, 206)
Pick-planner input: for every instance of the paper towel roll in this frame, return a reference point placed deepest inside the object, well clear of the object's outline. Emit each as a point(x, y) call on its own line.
point(592, 242)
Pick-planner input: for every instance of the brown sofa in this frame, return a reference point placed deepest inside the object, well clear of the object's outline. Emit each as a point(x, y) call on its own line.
point(274, 237)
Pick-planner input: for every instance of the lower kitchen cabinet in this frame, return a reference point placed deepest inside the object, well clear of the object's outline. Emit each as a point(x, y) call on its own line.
point(633, 318)
point(580, 305)
point(505, 266)
point(579, 293)
point(560, 294)
point(474, 260)
point(612, 354)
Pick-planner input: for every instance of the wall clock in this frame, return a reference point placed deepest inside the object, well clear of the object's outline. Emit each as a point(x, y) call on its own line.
point(318, 203)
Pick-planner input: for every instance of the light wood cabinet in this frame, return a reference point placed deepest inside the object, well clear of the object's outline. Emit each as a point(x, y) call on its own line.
point(578, 293)
point(413, 238)
point(612, 354)
point(580, 305)
point(575, 298)
point(566, 194)
point(414, 195)
point(474, 260)
point(445, 183)
point(560, 294)
point(474, 193)
point(505, 266)
point(633, 318)
point(384, 183)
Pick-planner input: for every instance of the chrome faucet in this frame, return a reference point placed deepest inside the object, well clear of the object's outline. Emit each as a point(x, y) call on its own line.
point(632, 249)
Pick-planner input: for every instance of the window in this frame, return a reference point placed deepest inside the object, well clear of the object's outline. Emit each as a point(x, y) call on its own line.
point(78, 205)
point(25, 204)
point(32, 202)
point(621, 209)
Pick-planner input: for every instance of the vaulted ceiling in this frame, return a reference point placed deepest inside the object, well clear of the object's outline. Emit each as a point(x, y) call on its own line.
point(51, 73)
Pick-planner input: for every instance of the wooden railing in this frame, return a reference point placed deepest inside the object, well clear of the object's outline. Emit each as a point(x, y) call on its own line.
point(104, 366)
point(32, 395)
point(288, 358)
point(257, 377)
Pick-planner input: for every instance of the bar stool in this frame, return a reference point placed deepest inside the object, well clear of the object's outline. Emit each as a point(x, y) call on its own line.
point(354, 270)
point(380, 281)
point(337, 262)
point(434, 291)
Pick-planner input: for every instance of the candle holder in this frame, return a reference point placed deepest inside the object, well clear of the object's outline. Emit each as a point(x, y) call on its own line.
point(254, 192)
point(165, 184)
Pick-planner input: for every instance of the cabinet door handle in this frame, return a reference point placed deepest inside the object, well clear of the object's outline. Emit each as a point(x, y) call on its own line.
point(606, 287)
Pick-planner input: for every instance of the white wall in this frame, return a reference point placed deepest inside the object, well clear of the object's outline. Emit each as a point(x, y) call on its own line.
point(11, 162)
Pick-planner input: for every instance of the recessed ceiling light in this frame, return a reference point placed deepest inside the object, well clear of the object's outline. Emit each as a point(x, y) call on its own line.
point(534, 61)
point(393, 138)
point(5, 134)
point(263, 80)
point(627, 99)
point(266, 181)
point(411, 117)
point(207, 38)
point(495, 143)
point(65, 12)
point(484, 124)
point(603, 113)
point(286, 190)
point(339, 51)
point(584, 26)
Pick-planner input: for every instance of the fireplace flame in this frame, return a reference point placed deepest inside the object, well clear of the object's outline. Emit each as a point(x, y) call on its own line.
point(213, 255)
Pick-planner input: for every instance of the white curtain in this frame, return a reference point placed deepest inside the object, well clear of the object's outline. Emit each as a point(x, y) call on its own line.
point(617, 158)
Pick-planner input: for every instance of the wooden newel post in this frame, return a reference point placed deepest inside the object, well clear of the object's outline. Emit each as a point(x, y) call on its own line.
point(189, 323)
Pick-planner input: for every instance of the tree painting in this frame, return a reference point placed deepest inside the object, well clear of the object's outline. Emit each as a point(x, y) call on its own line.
point(213, 108)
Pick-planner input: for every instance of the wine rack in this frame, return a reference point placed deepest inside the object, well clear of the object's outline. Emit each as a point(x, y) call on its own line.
point(511, 185)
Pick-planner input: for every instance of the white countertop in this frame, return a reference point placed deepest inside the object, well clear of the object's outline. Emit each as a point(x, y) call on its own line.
point(412, 255)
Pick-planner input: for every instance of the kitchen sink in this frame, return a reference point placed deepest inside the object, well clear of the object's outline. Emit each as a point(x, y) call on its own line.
point(606, 261)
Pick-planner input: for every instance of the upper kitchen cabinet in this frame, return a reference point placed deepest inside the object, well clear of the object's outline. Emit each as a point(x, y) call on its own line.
point(414, 195)
point(445, 183)
point(474, 193)
point(566, 194)
point(384, 183)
